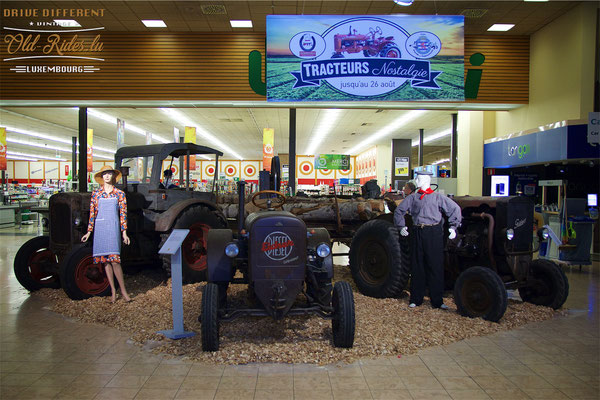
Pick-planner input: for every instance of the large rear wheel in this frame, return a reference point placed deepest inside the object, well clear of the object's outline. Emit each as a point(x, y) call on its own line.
point(479, 292)
point(379, 259)
point(80, 277)
point(549, 285)
point(36, 266)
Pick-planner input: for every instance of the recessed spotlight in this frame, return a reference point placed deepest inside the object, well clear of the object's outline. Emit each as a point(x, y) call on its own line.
point(240, 23)
point(500, 27)
point(154, 23)
point(67, 23)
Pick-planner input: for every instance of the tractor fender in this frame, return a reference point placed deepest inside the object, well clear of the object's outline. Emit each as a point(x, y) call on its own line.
point(219, 264)
point(386, 217)
point(164, 222)
point(321, 235)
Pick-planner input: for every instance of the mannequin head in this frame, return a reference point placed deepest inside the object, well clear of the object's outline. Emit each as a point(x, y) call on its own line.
point(423, 180)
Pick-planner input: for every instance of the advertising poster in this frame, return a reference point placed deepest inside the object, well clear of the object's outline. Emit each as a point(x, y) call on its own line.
point(90, 153)
point(374, 57)
point(2, 149)
point(190, 137)
point(268, 147)
point(401, 166)
point(332, 161)
point(120, 133)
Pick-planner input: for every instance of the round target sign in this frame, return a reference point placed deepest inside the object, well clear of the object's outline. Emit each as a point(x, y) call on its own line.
point(249, 170)
point(209, 170)
point(306, 168)
point(230, 170)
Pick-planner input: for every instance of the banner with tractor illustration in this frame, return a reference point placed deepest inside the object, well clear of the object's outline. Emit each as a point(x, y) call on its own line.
point(375, 57)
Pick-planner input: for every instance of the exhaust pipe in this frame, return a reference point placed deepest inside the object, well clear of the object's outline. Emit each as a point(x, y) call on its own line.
point(241, 186)
point(124, 172)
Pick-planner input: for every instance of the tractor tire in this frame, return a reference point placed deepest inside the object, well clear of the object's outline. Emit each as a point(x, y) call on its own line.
point(337, 55)
point(344, 322)
point(550, 286)
point(379, 259)
point(31, 264)
point(80, 278)
point(479, 292)
point(199, 220)
point(210, 317)
point(390, 50)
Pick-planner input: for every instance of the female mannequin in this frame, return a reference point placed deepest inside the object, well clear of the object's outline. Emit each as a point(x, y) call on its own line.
point(108, 213)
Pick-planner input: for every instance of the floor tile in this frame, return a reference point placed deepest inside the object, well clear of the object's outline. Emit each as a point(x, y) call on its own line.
point(507, 394)
point(457, 382)
point(155, 394)
point(164, 382)
point(494, 383)
point(468, 394)
point(164, 369)
point(545, 394)
point(421, 382)
point(13, 379)
point(316, 394)
point(429, 394)
point(391, 394)
point(349, 394)
point(127, 381)
point(116, 394)
point(283, 382)
point(58, 380)
point(384, 383)
point(196, 394)
point(348, 383)
point(78, 393)
point(138, 369)
point(200, 382)
point(234, 394)
point(206, 370)
point(318, 382)
point(90, 381)
point(273, 394)
point(237, 383)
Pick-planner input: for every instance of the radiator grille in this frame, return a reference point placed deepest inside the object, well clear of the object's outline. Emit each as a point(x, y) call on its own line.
point(60, 226)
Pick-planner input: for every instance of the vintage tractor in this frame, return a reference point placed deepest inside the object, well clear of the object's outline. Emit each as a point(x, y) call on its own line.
point(279, 258)
point(60, 259)
point(371, 45)
point(493, 252)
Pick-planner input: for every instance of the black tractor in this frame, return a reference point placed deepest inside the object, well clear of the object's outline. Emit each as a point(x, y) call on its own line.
point(154, 208)
point(278, 258)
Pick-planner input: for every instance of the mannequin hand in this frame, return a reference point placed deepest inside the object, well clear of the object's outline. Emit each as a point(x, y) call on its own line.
point(404, 231)
point(452, 233)
point(126, 238)
point(85, 237)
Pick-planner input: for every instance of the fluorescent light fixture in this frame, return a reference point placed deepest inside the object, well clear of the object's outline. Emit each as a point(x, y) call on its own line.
point(500, 27)
point(51, 147)
point(180, 118)
point(444, 160)
point(39, 135)
point(38, 156)
point(113, 120)
point(240, 23)
point(404, 2)
point(9, 157)
point(433, 137)
point(67, 23)
point(326, 124)
point(154, 23)
point(389, 129)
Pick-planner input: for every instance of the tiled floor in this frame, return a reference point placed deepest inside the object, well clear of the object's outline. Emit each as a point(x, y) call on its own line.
point(44, 355)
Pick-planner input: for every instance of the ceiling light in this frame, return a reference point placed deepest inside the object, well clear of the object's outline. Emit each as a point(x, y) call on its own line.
point(445, 160)
point(113, 120)
point(9, 157)
point(154, 23)
point(500, 27)
point(433, 137)
point(404, 2)
point(39, 135)
point(51, 147)
point(326, 124)
point(67, 23)
point(180, 118)
point(393, 127)
point(241, 23)
point(38, 156)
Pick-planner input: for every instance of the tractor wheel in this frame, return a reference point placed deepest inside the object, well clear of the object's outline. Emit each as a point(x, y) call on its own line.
point(80, 278)
point(550, 286)
point(337, 55)
point(390, 50)
point(36, 265)
point(379, 259)
point(343, 322)
point(199, 220)
point(210, 317)
point(479, 292)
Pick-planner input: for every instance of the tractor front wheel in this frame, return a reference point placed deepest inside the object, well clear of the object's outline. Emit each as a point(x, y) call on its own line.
point(549, 285)
point(390, 51)
point(80, 278)
point(479, 292)
point(36, 266)
point(344, 322)
point(210, 317)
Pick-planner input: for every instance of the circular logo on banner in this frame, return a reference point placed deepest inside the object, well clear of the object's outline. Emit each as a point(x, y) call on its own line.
point(209, 170)
point(277, 246)
point(423, 45)
point(268, 149)
point(249, 170)
point(307, 45)
point(230, 170)
point(306, 167)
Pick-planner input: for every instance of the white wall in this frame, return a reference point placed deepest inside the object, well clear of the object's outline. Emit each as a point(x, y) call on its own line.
point(470, 157)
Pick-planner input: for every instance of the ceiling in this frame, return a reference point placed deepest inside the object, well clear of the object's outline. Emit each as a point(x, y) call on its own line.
point(214, 16)
point(239, 126)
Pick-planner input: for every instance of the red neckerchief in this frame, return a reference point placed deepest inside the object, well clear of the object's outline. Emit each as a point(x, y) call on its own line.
point(426, 191)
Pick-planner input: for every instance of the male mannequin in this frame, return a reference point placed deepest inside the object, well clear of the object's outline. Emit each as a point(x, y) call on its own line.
point(427, 238)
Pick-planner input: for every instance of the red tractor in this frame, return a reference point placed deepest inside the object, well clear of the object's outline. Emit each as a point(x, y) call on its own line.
point(372, 45)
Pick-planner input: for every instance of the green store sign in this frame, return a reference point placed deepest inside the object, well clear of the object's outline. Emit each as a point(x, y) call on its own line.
point(332, 161)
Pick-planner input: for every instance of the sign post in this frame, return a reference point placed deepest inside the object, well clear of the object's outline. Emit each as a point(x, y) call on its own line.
point(173, 247)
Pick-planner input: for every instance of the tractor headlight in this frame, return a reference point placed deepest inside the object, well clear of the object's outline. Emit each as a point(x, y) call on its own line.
point(232, 250)
point(545, 234)
point(323, 250)
point(510, 234)
point(77, 221)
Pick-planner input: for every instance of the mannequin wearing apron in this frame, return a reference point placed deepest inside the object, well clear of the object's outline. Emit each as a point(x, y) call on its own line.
point(108, 217)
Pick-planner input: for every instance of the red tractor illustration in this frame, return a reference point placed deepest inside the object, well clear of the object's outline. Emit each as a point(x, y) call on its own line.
point(372, 45)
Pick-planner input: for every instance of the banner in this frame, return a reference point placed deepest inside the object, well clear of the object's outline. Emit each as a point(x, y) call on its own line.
point(190, 137)
point(90, 154)
point(374, 57)
point(332, 161)
point(268, 147)
point(120, 133)
point(2, 149)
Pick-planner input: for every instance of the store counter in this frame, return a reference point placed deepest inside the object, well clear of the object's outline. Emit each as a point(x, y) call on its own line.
point(7, 215)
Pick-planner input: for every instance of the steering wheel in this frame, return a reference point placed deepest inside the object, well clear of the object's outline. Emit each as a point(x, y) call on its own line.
point(264, 206)
point(378, 30)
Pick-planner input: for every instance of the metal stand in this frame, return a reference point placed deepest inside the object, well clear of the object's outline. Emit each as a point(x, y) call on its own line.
point(173, 247)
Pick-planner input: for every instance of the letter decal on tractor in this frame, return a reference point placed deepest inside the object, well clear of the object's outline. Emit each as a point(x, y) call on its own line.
point(277, 246)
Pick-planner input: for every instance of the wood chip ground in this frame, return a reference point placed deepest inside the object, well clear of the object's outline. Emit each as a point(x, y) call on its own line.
point(384, 327)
